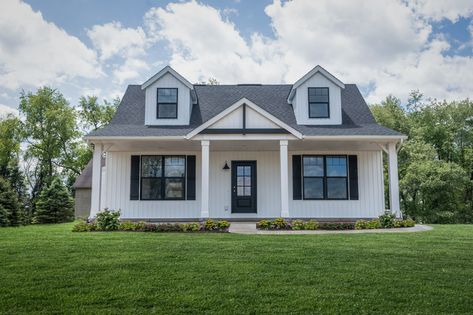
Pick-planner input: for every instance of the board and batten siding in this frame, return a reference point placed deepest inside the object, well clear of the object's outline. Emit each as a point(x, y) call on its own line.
point(117, 192)
point(370, 190)
point(370, 185)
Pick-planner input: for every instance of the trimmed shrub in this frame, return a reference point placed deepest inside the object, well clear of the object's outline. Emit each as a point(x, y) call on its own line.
point(190, 227)
point(373, 224)
point(108, 220)
point(210, 225)
point(387, 220)
point(298, 225)
point(81, 227)
point(263, 224)
point(223, 225)
point(311, 225)
point(337, 226)
point(409, 222)
point(280, 224)
point(361, 224)
point(168, 227)
point(128, 226)
point(148, 227)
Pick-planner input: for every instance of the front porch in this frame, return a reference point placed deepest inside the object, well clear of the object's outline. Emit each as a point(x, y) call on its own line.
point(271, 188)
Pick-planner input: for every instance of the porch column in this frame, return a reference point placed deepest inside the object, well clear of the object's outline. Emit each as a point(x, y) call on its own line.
point(96, 180)
point(393, 180)
point(204, 211)
point(284, 179)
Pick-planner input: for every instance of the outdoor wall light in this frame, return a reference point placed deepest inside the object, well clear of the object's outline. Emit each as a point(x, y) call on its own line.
point(226, 167)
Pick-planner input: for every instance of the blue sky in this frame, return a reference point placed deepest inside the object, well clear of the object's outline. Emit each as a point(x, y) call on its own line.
point(99, 47)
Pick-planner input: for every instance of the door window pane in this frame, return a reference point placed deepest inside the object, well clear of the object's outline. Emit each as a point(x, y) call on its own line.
point(240, 191)
point(336, 188)
point(247, 191)
point(336, 166)
point(313, 166)
point(313, 188)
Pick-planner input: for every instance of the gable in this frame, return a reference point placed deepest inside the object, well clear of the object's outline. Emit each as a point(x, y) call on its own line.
point(244, 117)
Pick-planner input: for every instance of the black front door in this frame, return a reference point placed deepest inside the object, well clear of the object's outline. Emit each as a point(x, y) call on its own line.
point(243, 186)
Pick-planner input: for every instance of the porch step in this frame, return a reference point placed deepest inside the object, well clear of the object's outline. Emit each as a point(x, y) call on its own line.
point(243, 227)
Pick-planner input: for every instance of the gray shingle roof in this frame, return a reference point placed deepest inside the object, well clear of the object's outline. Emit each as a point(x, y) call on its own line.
point(213, 99)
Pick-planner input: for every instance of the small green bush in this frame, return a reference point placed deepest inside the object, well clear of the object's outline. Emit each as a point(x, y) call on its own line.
point(263, 224)
point(93, 226)
point(210, 225)
point(279, 224)
point(81, 227)
point(373, 224)
point(128, 226)
point(311, 225)
point(108, 220)
point(190, 227)
point(361, 224)
point(168, 227)
point(223, 225)
point(337, 226)
point(409, 222)
point(298, 225)
point(387, 220)
point(149, 227)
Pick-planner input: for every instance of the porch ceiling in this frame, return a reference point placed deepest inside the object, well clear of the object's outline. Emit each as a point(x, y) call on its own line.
point(238, 145)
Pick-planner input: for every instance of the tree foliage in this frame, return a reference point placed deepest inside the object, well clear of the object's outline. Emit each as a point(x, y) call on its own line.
point(9, 208)
point(436, 162)
point(54, 205)
point(95, 115)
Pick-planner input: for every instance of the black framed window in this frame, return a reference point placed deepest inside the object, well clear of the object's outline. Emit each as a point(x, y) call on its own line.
point(325, 177)
point(167, 103)
point(319, 104)
point(163, 177)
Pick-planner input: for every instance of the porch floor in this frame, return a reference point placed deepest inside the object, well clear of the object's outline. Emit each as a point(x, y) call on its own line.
point(250, 228)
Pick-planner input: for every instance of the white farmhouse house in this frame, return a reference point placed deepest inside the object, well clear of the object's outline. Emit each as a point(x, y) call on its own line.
point(181, 151)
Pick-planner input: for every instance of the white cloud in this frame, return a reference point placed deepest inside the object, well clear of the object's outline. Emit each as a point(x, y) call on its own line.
point(35, 52)
point(438, 10)
point(385, 44)
point(113, 39)
point(7, 110)
point(129, 69)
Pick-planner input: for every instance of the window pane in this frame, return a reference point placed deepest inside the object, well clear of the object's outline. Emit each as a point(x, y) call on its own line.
point(318, 110)
point(240, 170)
point(336, 188)
point(247, 181)
point(151, 188)
point(240, 191)
point(240, 181)
point(313, 188)
point(247, 191)
point(248, 170)
point(167, 110)
point(174, 188)
point(313, 166)
point(167, 95)
point(336, 166)
point(318, 95)
point(151, 166)
point(174, 166)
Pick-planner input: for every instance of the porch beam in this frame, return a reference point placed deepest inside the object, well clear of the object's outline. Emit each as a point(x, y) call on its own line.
point(393, 180)
point(204, 211)
point(96, 180)
point(284, 170)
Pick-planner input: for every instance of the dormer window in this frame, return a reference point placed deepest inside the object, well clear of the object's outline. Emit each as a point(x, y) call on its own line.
point(167, 103)
point(319, 105)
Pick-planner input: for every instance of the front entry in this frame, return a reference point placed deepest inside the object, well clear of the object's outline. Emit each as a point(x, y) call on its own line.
point(243, 186)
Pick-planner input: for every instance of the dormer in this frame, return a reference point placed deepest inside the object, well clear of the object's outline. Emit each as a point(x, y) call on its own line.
point(316, 98)
point(168, 99)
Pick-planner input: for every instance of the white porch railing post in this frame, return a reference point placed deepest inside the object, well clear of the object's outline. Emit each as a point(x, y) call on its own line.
point(96, 180)
point(204, 211)
point(393, 180)
point(284, 178)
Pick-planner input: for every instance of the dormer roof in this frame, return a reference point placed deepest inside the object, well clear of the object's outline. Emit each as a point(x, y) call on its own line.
point(310, 74)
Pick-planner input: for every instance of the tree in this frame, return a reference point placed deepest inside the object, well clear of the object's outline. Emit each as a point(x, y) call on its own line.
point(94, 115)
point(50, 130)
point(9, 208)
point(54, 204)
point(10, 139)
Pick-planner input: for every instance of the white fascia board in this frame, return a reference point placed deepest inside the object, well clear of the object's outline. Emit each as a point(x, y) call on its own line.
point(162, 72)
point(253, 106)
point(310, 74)
point(93, 139)
point(358, 137)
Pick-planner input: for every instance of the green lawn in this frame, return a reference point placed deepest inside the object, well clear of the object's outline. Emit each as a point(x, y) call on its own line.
point(48, 269)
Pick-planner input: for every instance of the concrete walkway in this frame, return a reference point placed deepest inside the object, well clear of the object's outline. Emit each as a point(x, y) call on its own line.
point(250, 228)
